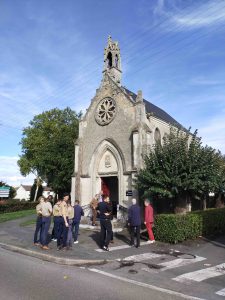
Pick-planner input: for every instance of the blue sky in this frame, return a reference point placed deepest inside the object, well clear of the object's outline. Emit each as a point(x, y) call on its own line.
point(51, 55)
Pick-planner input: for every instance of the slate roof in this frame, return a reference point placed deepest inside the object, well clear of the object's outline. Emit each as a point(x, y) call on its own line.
point(155, 110)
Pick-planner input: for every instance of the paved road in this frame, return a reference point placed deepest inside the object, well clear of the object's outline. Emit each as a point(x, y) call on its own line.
point(26, 278)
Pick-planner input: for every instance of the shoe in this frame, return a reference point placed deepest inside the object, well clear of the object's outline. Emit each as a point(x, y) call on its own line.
point(137, 246)
point(150, 241)
point(45, 248)
point(105, 248)
point(64, 248)
point(36, 244)
point(75, 242)
point(112, 242)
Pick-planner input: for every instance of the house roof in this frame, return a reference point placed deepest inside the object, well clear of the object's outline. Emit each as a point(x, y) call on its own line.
point(155, 110)
point(26, 187)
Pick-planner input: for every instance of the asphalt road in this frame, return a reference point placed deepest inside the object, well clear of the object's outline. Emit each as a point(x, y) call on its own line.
point(23, 278)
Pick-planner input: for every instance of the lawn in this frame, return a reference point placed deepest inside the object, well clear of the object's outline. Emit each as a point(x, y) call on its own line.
point(15, 215)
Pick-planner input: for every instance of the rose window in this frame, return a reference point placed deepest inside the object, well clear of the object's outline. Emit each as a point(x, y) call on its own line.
point(106, 111)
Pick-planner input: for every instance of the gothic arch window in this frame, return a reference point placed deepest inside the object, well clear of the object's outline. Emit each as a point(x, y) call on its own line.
point(157, 135)
point(109, 60)
point(116, 61)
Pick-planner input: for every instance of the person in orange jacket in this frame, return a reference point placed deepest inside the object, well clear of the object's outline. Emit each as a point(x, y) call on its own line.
point(149, 220)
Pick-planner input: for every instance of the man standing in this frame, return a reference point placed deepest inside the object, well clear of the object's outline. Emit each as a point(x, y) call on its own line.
point(93, 205)
point(46, 210)
point(149, 219)
point(64, 226)
point(134, 221)
point(105, 211)
point(78, 212)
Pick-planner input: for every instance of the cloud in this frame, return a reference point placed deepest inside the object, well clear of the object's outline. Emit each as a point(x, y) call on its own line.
point(194, 16)
point(9, 172)
point(206, 81)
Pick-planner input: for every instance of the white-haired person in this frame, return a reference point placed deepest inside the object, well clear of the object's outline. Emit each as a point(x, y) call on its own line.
point(134, 221)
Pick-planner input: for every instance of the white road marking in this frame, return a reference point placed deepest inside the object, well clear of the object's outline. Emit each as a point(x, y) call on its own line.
point(179, 262)
point(114, 248)
point(143, 256)
point(203, 274)
point(221, 292)
point(120, 247)
point(172, 264)
point(142, 284)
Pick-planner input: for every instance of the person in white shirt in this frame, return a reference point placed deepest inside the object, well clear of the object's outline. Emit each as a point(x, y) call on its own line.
point(46, 209)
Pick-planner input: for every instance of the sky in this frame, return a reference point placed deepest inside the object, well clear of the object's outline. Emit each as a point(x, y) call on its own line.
point(51, 55)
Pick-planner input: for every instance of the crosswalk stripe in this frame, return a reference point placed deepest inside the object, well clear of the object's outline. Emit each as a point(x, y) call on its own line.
point(202, 274)
point(121, 247)
point(179, 262)
point(176, 263)
point(143, 256)
point(114, 248)
point(221, 292)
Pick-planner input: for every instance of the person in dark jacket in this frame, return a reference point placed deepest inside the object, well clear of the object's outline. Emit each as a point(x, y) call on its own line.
point(134, 221)
point(105, 212)
point(78, 212)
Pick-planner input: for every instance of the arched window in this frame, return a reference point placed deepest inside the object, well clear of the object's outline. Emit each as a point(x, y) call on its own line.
point(109, 60)
point(157, 136)
point(116, 61)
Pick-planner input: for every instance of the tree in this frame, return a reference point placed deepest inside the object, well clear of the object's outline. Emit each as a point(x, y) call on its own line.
point(181, 169)
point(48, 147)
point(12, 190)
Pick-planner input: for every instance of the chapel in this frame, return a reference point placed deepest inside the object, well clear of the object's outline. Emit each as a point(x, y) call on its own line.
point(115, 133)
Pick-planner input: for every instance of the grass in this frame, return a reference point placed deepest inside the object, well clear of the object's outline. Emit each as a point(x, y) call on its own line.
point(16, 215)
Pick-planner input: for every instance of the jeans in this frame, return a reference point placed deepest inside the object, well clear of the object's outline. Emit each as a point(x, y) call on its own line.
point(133, 230)
point(64, 233)
point(38, 230)
point(59, 229)
point(55, 230)
point(106, 232)
point(76, 230)
point(70, 233)
point(46, 221)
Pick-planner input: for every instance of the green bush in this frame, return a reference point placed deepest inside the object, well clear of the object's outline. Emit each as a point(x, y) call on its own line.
point(173, 228)
point(12, 205)
point(212, 221)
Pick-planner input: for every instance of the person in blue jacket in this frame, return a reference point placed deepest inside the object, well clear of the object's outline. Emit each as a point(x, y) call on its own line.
point(134, 221)
point(78, 212)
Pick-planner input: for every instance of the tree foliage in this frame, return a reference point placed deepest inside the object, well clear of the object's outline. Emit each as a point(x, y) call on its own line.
point(181, 169)
point(48, 147)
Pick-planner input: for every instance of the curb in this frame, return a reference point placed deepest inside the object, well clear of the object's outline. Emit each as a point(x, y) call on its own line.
point(54, 259)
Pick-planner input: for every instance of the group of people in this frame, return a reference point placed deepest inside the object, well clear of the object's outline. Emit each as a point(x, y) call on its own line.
point(104, 209)
point(66, 222)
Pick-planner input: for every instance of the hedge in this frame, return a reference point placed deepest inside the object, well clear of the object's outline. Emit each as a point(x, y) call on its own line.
point(12, 205)
point(173, 228)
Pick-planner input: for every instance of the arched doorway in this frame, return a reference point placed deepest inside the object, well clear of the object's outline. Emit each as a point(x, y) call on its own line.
point(106, 170)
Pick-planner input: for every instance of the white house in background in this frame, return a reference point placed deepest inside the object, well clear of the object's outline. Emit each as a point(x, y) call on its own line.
point(23, 192)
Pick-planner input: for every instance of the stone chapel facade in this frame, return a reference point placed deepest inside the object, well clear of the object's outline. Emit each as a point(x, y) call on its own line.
point(114, 134)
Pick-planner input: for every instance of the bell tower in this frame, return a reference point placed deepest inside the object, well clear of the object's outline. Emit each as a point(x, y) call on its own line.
point(112, 61)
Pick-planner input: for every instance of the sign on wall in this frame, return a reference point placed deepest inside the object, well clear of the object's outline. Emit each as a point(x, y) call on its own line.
point(4, 191)
point(129, 193)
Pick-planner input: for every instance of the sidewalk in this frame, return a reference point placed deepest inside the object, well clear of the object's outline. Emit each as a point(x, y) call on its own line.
point(19, 239)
